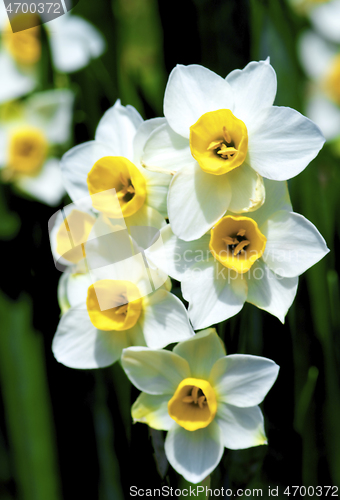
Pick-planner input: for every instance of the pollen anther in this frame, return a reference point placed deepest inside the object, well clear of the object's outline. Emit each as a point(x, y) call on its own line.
point(241, 246)
point(194, 398)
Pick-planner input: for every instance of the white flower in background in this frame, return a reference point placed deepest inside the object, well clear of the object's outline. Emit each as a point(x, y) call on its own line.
point(73, 42)
point(221, 137)
point(204, 399)
point(112, 161)
point(117, 303)
point(325, 18)
point(29, 131)
point(321, 61)
point(255, 258)
point(19, 55)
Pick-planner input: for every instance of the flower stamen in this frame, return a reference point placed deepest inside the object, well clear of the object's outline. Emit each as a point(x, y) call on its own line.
point(240, 247)
point(127, 188)
point(195, 398)
point(122, 309)
point(193, 405)
point(113, 305)
point(219, 141)
point(236, 242)
point(228, 240)
point(120, 174)
point(222, 148)
point(214, 145)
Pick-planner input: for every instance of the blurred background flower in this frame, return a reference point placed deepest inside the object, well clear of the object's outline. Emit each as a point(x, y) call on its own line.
point(65, 433)
point(30, 131)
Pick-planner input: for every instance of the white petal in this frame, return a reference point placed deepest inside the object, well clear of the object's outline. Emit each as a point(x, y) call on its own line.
point(196, 201)
point(143, 132)
point(277, 198)
point(293, 244)
point(166, 150)
point(254, 90)
point(130, 269)
point(47, 186)
point(74, 42)
point(78, 344)
point(214, 293)
point(174, 256)
point(326, 19)
point(54, 224)
point(4, 145)
point(270, 292)
point(112, 254)
point(201, 352)
point(107, 243)
point(147, 217)
point(14, 83)
point(247, 189)
point(77, 287)
point(192, 91)
point(240, 427)
point(157, 188)
point(154, 372)
point(152, 410)
point(315, 53)
point(3, 17)
point(284, 144)
point(62, 292)
point(243, 380)
point(165, 320)
point(117, 129)
point(52, 112)
point(325, 114)
point(76, 164)
point(194, 454)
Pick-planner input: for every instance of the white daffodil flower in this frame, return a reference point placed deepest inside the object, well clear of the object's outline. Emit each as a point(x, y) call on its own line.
point(321, 61)
point(74, 42)
point(28, 133)
point(112, 161)
point(117, 302)
point(204, 399)
point(255, 258)
point(221, 137)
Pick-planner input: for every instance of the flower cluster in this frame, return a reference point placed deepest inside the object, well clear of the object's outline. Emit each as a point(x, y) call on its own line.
point(199, 196)
point(36, 128)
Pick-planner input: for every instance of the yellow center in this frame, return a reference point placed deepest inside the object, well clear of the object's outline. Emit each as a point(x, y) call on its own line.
point(237, 242)
point(113, 304)
point(193, 406)
point(219, 141)
point(72, 234)
point(332, 81)
point(27, 151)
point(119, 173)
point(24, 46)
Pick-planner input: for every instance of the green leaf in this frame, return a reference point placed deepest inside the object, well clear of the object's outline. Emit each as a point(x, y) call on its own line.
point(27, 404)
